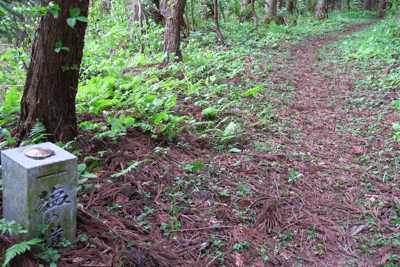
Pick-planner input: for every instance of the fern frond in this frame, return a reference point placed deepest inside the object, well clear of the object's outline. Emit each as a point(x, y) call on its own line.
point(37, 129)
point(13, 97)
point(20, 249)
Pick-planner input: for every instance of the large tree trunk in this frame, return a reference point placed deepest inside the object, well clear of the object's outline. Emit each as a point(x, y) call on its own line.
point(289, 6)
point(254, 14)
point(322, 9)
point(220, 36)
point(270, 9)
point(52, 78)
point(173, 13)
point(381, 7)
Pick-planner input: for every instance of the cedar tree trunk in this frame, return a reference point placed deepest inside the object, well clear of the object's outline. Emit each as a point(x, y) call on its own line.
point(220, 36)
point(173, 13)
point(52, 78)
point(289, 6)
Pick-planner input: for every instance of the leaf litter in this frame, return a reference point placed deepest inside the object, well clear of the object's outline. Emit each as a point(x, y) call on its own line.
point(141, 218)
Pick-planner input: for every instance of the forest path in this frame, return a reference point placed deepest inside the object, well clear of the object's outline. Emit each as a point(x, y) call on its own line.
point(337, 136)
point(312, 179)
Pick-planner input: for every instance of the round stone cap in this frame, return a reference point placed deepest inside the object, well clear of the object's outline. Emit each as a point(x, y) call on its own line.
point(39, 153)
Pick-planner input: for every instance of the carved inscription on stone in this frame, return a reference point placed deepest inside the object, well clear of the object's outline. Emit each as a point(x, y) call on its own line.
point(57, 197)
point(56, 234)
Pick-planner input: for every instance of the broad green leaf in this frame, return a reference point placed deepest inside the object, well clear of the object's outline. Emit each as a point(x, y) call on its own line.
point(71, 22)
point(43, 10)
point(89, 175)
point(75, 12)
point(83, 19)
point(235, 150)
point(81, 167)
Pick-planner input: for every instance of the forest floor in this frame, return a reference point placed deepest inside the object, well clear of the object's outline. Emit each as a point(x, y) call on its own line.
point(314, 184)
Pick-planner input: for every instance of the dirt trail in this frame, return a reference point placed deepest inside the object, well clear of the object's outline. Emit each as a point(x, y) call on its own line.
point(270, 219)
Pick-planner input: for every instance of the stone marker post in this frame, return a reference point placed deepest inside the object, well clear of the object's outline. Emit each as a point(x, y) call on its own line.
point(39, 188)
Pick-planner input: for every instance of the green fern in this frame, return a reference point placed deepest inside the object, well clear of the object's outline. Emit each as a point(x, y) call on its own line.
point(174, 121)
point(13, 97)
point(12, 100)
point(37, 132)
point(20, 249)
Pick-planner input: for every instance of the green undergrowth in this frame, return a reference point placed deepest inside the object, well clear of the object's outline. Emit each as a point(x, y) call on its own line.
point(117, 77)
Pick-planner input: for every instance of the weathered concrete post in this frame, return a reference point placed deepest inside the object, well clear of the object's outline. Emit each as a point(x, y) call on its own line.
point(39, 188)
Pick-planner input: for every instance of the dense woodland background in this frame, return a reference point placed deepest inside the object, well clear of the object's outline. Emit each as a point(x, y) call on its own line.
point(211, 133)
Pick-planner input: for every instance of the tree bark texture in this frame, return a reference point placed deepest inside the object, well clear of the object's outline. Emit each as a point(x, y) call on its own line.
point(289, 6)
point(254, 14)
point(322, 9)
point(173, 13)
point(367, 4)
point(220, 36)
point(372, 6)
point(52, 78)
point(381, 8)
point(270, 9)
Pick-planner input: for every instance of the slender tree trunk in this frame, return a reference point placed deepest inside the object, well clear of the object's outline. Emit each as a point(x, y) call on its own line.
point(187, 21)
point(173, 14)
point(270, 9)
point(340, 3)
point(372, 6)
point(381, 7)
point(52, 78)
point(254, 14)
point(289, 6)
point(367, 4)
point(389, 6)
point(220, 36)
point(322, 9)
point(191, 10)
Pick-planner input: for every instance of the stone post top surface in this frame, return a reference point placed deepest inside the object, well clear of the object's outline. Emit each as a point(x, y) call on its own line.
point(18, 155)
